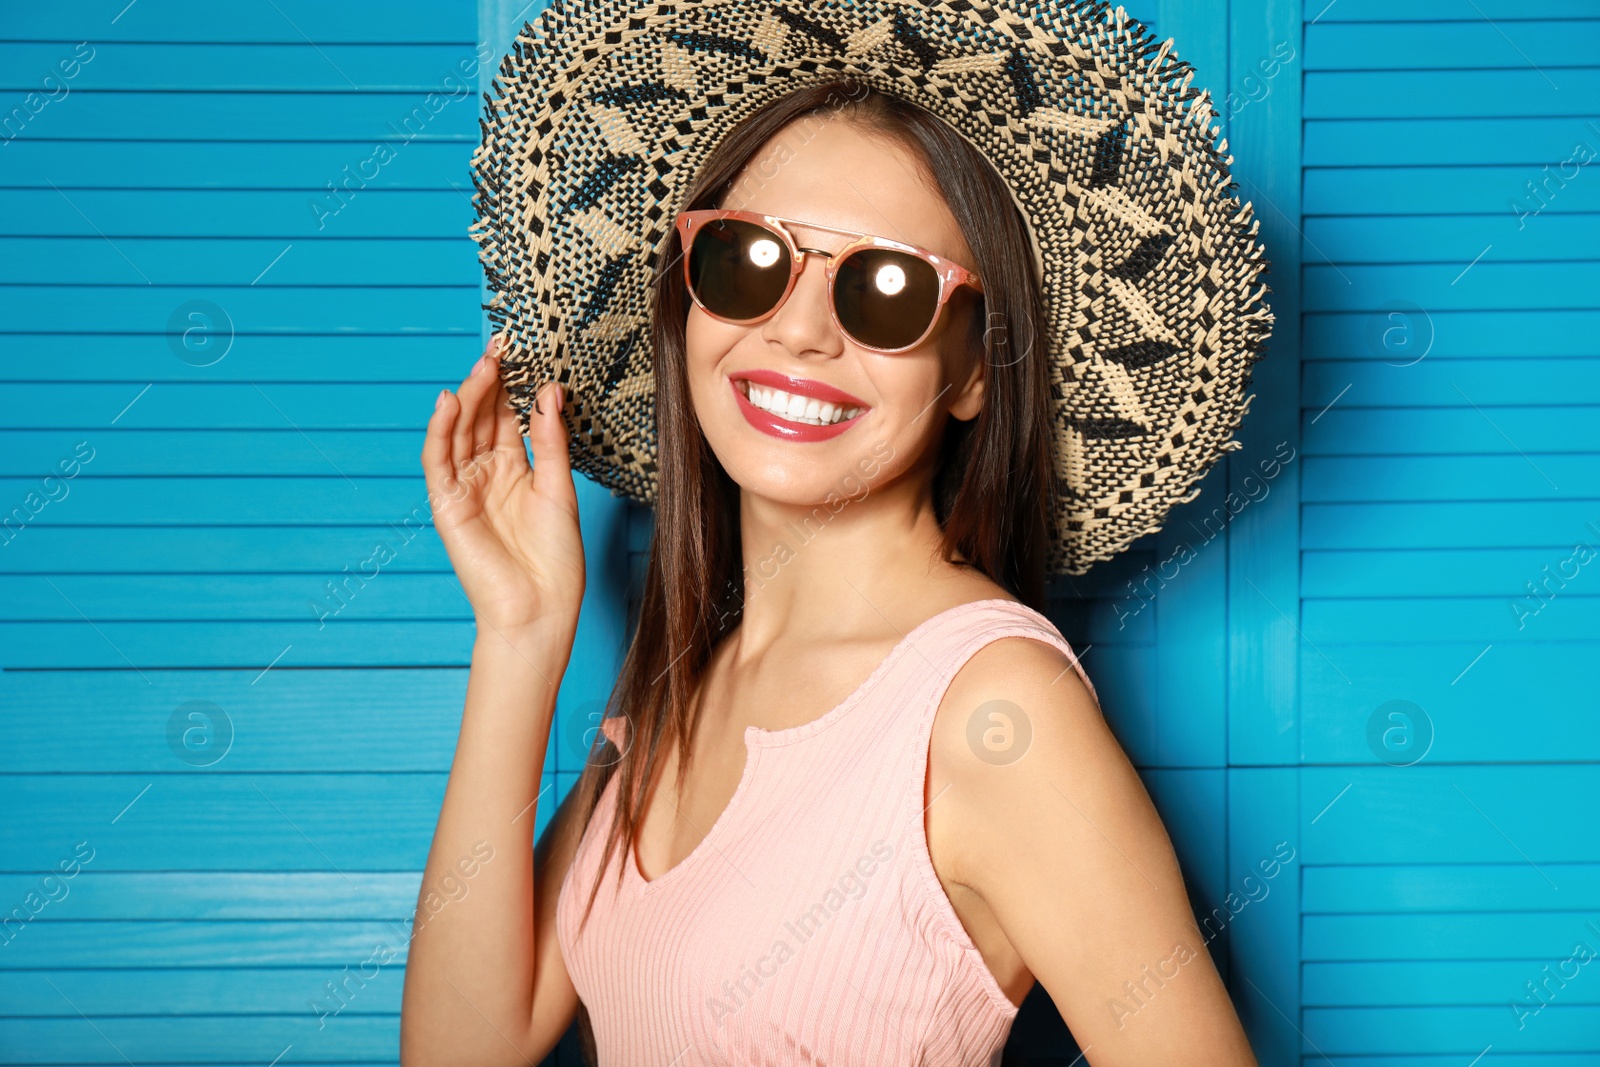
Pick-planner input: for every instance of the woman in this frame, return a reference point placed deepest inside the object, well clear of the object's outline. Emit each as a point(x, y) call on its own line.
point(870, 795)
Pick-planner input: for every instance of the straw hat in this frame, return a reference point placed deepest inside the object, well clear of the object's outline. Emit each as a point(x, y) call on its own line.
point(604, 110)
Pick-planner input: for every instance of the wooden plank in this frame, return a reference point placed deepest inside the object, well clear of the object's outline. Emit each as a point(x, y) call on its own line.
point(1185, 586)
point(217, 896)
point(336, 720)
point(119, 453)
point(1400, 335)
point(1501, 572)
point(1456, 691)
point(1536, 1059)
point(353, 586)
point(282, 21)
point(1263, 540)
point(1547, 477)
point(1408, 983)
point(1478, 144)
point(1481, 286)
point(346, 211)
point(1453, 936)
point(157, 356)
point(1476, 43)
point(1184, 721)
point(1548, 236)
point(242, 67)
point(245, 646)
point(287, 408)
point(1547, 178)
point(205, 820)
point(1463, 1032)
point(268, 262)
point(1559, 615)
point(218, 165)
point(1444, 814)
point(1485, 430)
point(1261, 923)
point(1446, 525)
point(350, 719)
point(1441, 10)
point(174, 992)
point(147, 309)
point(200, 821)
point(389, 118)
point(329, 501)
point(212, 1038)
point(1516, 89)
point(215, 549)
point(1471, 887)
point(1455, 383)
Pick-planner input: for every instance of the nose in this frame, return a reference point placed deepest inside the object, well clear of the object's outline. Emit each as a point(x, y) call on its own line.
point(802, 323)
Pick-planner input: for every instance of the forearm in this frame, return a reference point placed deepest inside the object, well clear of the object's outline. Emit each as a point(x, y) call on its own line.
point(470, 975)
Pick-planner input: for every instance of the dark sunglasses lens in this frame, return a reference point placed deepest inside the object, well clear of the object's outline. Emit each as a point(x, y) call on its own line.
point(885, 298)
point(737, 269)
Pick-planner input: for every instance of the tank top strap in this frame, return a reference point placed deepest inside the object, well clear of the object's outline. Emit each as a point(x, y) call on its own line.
point(912, 681)
point(986, 621)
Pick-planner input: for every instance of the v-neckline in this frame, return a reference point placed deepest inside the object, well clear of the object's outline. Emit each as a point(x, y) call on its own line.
point(755, 739)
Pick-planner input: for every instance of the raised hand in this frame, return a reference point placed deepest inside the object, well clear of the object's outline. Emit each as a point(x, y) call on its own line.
point(511, 529)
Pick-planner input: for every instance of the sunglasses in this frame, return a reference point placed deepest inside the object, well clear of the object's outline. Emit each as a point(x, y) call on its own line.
point(740, 267)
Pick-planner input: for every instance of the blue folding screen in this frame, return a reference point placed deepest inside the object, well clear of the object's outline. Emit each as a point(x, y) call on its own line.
point(234, 270)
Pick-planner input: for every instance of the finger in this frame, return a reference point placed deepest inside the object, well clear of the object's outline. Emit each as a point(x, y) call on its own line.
point(473, 389)
point(437, 468)
point(552, 467)
point(483, 420)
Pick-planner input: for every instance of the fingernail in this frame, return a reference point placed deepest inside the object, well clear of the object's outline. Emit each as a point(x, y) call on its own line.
point(483, 361)
point(561, 397)
point(439, 400)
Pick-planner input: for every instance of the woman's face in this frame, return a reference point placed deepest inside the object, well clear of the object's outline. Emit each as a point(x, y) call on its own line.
point(838, 177)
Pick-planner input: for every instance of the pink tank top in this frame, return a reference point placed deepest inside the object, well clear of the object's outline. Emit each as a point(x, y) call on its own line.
point(808, 927)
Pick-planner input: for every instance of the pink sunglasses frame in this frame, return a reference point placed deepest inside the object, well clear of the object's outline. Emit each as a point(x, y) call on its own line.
point(952, 275)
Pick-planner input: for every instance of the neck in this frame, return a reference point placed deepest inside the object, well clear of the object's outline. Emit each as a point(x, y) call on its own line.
point(847, 564)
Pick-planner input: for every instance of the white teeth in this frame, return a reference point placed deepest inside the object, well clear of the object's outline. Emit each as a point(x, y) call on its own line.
point(794, 407)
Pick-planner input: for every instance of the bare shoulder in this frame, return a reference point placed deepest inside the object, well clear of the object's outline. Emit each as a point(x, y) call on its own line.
point(1016, 718)
point(1048, 824)
point(1019, 682)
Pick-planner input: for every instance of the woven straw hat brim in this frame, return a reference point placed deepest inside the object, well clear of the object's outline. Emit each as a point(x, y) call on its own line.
point(605, 109)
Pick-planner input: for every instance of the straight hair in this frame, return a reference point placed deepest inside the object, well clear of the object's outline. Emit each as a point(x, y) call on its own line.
point(994, 479)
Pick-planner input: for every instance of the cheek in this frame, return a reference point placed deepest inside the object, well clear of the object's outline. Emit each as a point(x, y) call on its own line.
point(910, 407)
point(707, 342)
point(704, 347)
point(908, 388)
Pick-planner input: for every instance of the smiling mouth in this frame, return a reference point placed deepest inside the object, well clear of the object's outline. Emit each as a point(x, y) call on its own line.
point(794, 407)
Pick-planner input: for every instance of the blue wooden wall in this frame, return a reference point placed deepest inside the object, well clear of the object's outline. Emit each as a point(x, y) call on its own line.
point(234, 272)
point(1449, 511)
point(1391, 665)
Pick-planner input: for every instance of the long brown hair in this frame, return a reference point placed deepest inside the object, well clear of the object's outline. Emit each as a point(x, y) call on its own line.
point(993, 480)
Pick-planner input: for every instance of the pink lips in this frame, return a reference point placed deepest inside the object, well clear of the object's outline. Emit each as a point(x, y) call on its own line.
point(772, 424)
